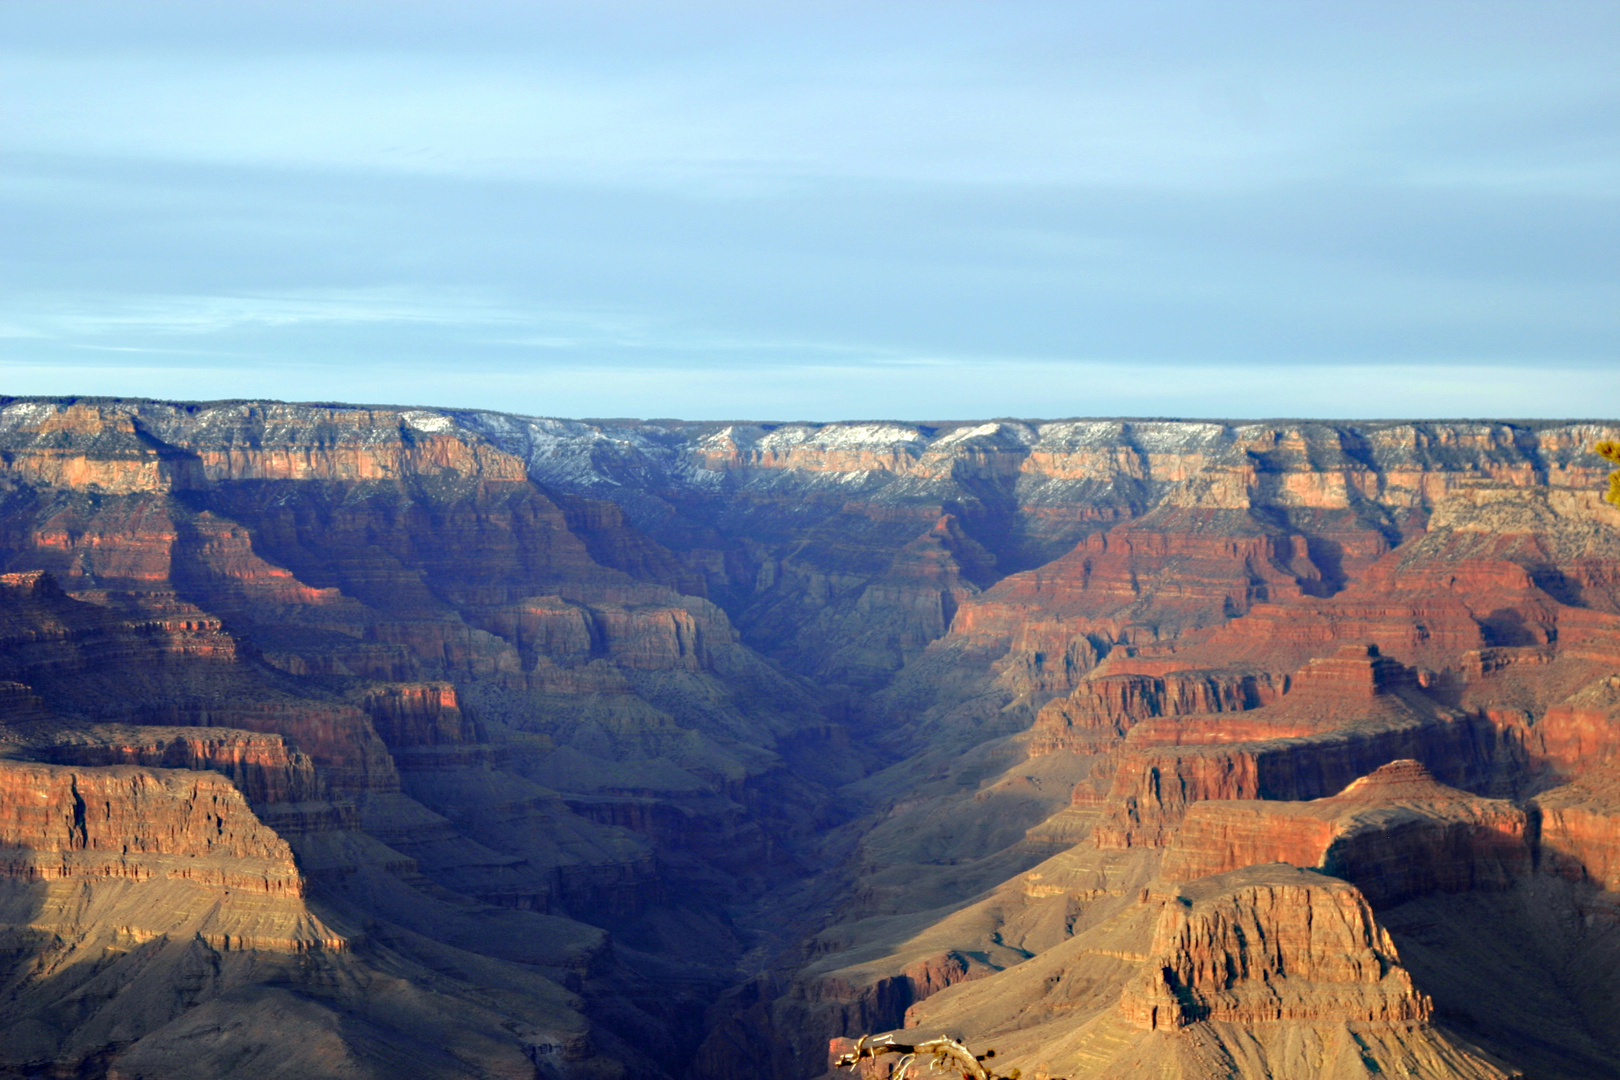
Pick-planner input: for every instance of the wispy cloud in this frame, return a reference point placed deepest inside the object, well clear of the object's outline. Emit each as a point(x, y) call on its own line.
point(214, 314)
point(910, 209)
point(975, 102)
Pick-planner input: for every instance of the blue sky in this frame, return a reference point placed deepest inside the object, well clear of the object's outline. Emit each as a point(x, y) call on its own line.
point(817, 210)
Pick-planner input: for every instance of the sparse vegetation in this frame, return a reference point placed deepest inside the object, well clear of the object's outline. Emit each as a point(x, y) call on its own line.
point(1610, 451)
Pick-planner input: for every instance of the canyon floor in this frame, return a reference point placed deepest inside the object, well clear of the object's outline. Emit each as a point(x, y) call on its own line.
point(364, 742)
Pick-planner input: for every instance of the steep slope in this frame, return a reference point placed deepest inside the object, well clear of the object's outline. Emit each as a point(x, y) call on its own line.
point(1264, 972)
point(619, 767)
point(155, 924)
point(1464, 660)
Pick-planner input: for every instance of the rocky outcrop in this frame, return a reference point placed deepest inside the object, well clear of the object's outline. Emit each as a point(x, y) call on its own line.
point(874, 628)
point(1267, 971)
point(1478, 649)
point(42, 628)
point(338, 738)
point(408, 715)
point(1580, 732)
point(1344, 716)
point(157, 927)
point(1106, 707)
point(264, 767)
point(883, 1003)
point(1271, 944)
point(1580, 829)
point(59, 822)
point(1395, 833)
point(282, 596)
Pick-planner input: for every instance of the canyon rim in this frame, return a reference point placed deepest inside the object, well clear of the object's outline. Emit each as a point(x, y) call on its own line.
point(353, 741)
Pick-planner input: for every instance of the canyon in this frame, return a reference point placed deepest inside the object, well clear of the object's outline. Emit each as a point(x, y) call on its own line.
point(360, 741)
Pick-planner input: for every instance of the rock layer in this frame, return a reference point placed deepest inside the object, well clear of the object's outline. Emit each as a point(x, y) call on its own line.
point(1270, 945)
point(1396, 833)
point(138, 824)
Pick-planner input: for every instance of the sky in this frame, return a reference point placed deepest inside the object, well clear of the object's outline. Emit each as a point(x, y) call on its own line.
point(818, 211)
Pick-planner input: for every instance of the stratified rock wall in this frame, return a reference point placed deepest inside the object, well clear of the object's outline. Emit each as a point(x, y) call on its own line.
point(1296, 948)
point(265, 768)
point(122, 822)
point(1397, 834)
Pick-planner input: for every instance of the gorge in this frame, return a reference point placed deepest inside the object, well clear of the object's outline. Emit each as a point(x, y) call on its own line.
point(353, 741)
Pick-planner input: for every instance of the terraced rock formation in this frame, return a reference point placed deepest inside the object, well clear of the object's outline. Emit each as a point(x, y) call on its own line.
point(361, 741)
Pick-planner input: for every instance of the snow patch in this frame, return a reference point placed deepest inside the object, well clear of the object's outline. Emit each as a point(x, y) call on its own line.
point(841, 436)
point(1003, 432)
point(1083, 432)
point(421, 420)
point(964, 434)
point(21, 413)
point(1172, 436)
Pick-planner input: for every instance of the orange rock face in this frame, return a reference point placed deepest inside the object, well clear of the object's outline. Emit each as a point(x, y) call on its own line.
point(59, 822)
point(1580, 829)
point(419, 714)
point(1111, 705)
point(1282, 946)
point(1396, 833)
point(265, 768)
point(1344, 715)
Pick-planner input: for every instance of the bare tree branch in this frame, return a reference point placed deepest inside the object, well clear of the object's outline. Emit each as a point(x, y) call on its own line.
point(944, 1054)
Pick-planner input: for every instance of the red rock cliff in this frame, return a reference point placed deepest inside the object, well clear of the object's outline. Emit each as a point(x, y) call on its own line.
point(1396, 833)
point(1271, 944)
point(60, 822)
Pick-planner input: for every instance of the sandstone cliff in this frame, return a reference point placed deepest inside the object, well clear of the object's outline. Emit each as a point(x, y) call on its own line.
point(1262, 972)
point(1396, 833)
